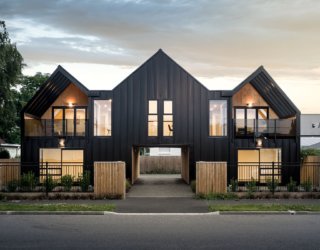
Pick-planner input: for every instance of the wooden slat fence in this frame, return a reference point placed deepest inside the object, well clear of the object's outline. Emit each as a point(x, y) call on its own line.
point(211, 177)
point(9, 170)
point(160, 164)
point(310, 169)
point(110, 179)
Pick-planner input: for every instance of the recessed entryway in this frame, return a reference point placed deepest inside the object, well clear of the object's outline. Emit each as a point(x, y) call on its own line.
point(160, 172)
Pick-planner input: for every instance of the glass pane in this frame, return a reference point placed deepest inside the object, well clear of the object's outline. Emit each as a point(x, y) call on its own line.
point(248, 165)
point(72, 163)
point(80, 122)
point(152, 125)
point(267, 156)
point(218, 118)
point(167, 128)
point(58, 121)
point(50, 155)
point(167, 107)
point(251, 114)
point(53, 157)
point(153, 107)
point(240, 121)
point(262, 114)
point(102, 117)
point(69, 122)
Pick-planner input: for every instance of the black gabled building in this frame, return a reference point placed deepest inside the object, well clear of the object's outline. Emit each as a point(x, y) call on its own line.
point(161, 105)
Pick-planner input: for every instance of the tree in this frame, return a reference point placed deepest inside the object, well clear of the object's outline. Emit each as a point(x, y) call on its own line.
point(11, 63)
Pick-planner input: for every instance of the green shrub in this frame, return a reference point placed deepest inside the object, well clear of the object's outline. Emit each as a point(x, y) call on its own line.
point(251, 187)
point(28, 181)
point(13, 185)
point(193, 185)
point(84, 181)
point(272, 186)
point(234, 185)
point(128, 185)
point(4, 154)
point(307, 185)
point(50, 184)
point(292, 185)
point(309, 151)
point(67, 182)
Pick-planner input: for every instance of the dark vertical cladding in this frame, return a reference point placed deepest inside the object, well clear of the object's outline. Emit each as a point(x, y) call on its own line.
point(160, 78)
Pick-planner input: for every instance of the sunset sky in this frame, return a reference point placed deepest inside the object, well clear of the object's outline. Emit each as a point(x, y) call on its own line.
point(218, 42)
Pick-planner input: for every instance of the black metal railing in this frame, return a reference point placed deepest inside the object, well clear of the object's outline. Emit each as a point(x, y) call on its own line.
point(270, 128)
point(48, 127)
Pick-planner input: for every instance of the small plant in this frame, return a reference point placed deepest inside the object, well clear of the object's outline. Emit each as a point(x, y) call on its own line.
point(292, 185)
point(234, 185)
point(217, 196)
point(193, 185)
point(50, 184)
point(28, 181)
point(84, 181)
point(251, 187)
point(67, 182)
point(128, 185)
point(13, 185)
point(4, 154)
point(272, 186)
point(307, 185)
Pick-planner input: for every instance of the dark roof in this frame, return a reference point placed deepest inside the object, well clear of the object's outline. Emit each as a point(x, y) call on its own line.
point(50, 90)
point(271, 93)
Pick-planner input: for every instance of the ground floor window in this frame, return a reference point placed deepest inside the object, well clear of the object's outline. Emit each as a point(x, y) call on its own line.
point(257, 164)
point(61, 162)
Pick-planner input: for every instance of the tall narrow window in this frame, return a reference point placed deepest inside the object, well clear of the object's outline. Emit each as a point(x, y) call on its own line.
point(80, 122)
point(218, 118)
point(153, 118)
point(69, 121)
point(58, 121)
point(102, 117)
point(167, 118)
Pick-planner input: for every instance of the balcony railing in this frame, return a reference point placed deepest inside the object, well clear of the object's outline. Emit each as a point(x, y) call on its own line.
point(269, 128)
point(48, 127)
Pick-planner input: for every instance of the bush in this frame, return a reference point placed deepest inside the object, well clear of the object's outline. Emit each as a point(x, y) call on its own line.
point(251, 187)
point(50, 184)
point(307, 185)
point(84, 181)
point(13, 185)
point(193, 185)
point(309, 151)
point(128, 185)
point(67, 182)
point(28, 182)
point(4, 154)
point(218, 196)
point(234, 185)
point(292, 185)
point(272, 186)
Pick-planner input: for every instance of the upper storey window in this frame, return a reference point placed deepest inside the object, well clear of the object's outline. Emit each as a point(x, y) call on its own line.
point(218, 118)
point(102, 117)
point(167, 118)
point(153, 118)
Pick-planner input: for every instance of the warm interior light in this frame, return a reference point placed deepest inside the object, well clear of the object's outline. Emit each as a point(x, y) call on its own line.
point(259, 142)
point(249, 104)
point(70, 104)
point(61, 143)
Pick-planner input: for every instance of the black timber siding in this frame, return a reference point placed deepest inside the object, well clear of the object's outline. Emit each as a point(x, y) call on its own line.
point(160, 78)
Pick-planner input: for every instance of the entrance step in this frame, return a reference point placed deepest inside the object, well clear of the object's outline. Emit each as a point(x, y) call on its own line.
point(160, 186)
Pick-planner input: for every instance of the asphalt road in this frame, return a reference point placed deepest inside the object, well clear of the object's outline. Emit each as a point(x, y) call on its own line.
point(160, 232)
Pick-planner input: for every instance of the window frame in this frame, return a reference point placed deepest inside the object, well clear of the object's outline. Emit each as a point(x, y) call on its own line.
point(151, 114)
point(93, 116)
point(227, 118)
point(167, 114)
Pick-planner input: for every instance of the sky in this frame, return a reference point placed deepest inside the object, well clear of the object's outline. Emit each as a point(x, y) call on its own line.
point(219, 42)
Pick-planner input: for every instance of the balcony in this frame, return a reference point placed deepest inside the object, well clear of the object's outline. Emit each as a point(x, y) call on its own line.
point(48, 127)
point(268, 128)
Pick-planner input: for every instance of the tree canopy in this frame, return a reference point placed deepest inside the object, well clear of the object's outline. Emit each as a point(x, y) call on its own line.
point(11, 63)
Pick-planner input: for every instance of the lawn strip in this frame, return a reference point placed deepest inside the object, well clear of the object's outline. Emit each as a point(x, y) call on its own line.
point(264, 207)
point(56, 207)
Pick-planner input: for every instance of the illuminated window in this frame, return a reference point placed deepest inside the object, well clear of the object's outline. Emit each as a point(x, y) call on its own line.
point(102, 117)
point(218, 118)
point(167, 118)
point(153, 118)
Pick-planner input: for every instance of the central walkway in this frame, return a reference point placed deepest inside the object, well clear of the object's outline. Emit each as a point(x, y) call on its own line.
point(160, 185)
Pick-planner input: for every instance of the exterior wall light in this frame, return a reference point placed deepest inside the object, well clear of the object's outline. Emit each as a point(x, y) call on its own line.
point(259, 142)
point(62, 142)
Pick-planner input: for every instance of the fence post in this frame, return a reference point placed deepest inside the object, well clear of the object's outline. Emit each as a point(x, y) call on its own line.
point(47, 183)
point(273, 188)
